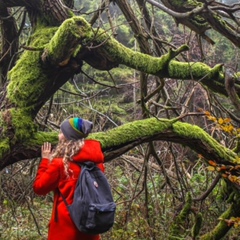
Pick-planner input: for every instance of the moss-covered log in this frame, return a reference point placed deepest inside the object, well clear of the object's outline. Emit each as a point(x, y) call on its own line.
point(119, 140)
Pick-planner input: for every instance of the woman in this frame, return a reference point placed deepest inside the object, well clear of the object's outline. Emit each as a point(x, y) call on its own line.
point(58, 172)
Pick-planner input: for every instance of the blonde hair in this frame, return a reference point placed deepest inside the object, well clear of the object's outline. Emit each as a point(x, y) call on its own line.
point(66, 149)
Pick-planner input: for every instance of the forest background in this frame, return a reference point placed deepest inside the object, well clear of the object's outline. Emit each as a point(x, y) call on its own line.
point(167, 185)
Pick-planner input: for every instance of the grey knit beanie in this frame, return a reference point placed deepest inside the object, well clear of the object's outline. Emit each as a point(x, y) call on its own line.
point(76, 128)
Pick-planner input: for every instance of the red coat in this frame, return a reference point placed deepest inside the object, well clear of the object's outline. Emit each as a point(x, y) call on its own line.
point(51, 177)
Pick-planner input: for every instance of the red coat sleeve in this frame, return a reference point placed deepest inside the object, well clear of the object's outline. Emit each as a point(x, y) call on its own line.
point(48, 177)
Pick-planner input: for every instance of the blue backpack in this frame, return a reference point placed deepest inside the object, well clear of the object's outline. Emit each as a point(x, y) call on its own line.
point(93, 209)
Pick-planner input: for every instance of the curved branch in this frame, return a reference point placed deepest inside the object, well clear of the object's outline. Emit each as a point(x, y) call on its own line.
point(132, 134)
point(209, 190)
point(153, 129)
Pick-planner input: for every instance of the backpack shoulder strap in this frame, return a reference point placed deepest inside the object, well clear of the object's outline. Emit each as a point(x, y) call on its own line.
point(64, 199)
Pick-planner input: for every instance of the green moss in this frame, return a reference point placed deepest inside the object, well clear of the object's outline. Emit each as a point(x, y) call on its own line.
point(194, 70)
point(80, 28)
point(23, 125)
point(144, 62)
point(40, 137)
point(27, 76)
point(3, 124)
point(197, 226)
point(152, 127)
point(5, 119)
point(181, 218)
point(115, 109)
point(28, 79)
point(195, 132)
point(132, 131)
point(41, 36)
point(67, 39)
point(238, 75)
point(77, 50)
point(4, 146)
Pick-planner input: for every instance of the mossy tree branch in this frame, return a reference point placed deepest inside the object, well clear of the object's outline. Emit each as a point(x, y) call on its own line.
point(121, 139)
point(175, 230)
point(52, 46)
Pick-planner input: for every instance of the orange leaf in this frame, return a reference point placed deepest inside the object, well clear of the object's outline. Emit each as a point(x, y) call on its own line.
point(227, 120)
point(212, 163)
point(223, 168)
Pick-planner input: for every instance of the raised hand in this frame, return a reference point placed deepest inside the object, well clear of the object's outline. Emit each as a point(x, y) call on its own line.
point(46, 150)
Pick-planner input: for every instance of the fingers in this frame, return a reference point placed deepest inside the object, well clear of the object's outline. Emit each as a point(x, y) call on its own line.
point(46, 147)
point(46, 150)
